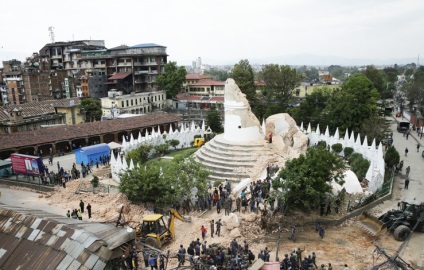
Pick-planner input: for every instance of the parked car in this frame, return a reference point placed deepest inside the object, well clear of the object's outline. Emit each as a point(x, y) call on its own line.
point(403, 126)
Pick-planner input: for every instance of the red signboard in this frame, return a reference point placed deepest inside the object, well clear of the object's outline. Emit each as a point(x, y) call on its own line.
point(25, 164)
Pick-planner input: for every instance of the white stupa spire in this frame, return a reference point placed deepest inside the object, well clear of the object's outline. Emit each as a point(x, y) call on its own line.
point(318, 132)
point(327, 133)
point(203, 125)
point(337, 135)
point(365, 143)
point(358, 139)
point(170, 129)
point(263, 127)
point(309, 130)
point(301, 126)
point(346, 137)
point(131, 165)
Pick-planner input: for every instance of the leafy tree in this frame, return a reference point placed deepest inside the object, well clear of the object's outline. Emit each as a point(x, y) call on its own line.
point(213, 120)
point(349, 106)
point(337, 147)
point(311, 74)
point(92, 108)
point(359, 165)
point(173, 78)
point(162, 149)
point(336, 71)
point(311, 109)
point(375, 127)
point(174, 143)
point(376, 77)
point(279, 84)
point(164, 182)
point(391, 157)
point(244, 77)
point(141, 154)
point(415, 90)
point(306, 180)
point(217, 74)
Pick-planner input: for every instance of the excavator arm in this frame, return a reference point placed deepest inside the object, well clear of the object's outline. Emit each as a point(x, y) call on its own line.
point(171, 226)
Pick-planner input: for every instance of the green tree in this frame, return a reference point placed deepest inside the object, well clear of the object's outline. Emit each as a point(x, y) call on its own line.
point(337, 147)
point(311, 74)
point(310, 110)
point(217, 74)
point(141, 154)
point(174, 143)
point(376, 77)
point(375, 127)
point(244, 77)
point(336, 71)
point(415, 90)
point(172, 80)
point(92, 108)
point(349, 106)
point(280, 82)
point(359, 165)
point(213, 120)
point(164, 183)
point(162, 149)
point(391, 157)
point(307, 179)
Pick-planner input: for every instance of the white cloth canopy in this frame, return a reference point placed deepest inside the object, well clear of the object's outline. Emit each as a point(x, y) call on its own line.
point(114, 145)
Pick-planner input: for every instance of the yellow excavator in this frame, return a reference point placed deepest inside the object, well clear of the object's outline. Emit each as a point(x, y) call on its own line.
point(155, 231)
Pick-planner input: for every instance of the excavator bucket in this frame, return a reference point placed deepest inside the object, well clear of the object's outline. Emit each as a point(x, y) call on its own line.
point(371, 224)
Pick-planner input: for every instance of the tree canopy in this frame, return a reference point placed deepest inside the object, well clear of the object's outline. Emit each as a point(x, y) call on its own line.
point(173, 78)
point(310, 110)
point(306, 180)
point(92, 108)
point(213, 120)
point(244, 77)
point(279, 84)
point(349, 106)
point(415, 90)
point(165, 183)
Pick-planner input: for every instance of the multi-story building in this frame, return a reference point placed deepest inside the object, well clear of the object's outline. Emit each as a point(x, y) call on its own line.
point(134, 103)
point(133, 69)
point(97, 86)
point(12, 77)
point(66, 55)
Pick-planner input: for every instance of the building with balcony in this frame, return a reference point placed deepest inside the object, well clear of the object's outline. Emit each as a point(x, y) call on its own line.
point(134, 103)
point(13, 81)
point(67, 55)
point(208, 88)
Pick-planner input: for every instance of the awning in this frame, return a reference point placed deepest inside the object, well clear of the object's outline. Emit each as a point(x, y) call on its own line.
point(114, 145)
point(120, 76)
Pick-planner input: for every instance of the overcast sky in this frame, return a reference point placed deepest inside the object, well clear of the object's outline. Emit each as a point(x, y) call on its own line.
point(223, 31)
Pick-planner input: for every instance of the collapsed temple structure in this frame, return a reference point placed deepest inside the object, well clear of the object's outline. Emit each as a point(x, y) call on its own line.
point(243, 150)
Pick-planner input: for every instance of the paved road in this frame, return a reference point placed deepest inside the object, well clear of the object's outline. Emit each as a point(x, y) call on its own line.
point(27, 199)
point(414, 249)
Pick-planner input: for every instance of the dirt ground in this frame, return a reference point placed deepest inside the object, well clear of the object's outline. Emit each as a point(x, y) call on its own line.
point(345, 244)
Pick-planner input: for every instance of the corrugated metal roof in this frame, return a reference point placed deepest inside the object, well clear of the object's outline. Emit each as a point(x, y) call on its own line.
point(33, 239)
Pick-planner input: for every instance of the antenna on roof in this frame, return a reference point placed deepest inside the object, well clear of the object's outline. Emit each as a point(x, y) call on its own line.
point(51, 33)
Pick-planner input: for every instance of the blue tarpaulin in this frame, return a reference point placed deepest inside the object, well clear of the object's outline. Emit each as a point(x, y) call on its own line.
point(94, 152)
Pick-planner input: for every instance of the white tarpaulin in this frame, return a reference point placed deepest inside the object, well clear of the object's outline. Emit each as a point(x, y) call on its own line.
point(114, 145)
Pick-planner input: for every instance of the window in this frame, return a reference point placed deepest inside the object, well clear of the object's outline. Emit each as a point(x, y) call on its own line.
point(122, 104)
point(132, 102)
point(135, 101)
point(128, 104)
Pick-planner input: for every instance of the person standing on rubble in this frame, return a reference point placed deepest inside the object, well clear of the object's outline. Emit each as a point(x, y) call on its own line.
point(212, 227)
point(218, 228)
point(81, 206)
